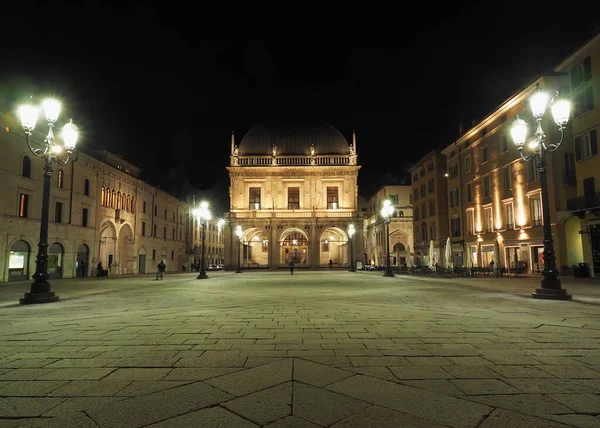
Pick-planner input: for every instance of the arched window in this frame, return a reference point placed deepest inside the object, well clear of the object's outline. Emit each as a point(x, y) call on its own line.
point(400, 213)
point(113, 200)
point(119, 200)
point(123, 202)
point(86, 187)
point(128, 203)
point(133, 204)
point(26, 167)
point(102, 196)
point(59, 178)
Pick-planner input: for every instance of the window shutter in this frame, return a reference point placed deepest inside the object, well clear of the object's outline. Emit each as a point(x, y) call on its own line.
point(593, 143)
point(587, 69)
point(577, 148)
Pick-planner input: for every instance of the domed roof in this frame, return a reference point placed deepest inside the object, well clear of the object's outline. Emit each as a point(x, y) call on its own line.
point(293, 138)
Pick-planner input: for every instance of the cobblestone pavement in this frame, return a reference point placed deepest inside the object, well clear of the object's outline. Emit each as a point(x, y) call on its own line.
point(317, 349)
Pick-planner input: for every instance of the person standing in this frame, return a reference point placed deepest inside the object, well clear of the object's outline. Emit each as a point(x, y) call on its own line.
point(161, 270)
point(291, 267)
point(82, 267)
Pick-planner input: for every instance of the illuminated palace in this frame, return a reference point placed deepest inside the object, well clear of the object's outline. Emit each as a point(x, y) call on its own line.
point(293, 191)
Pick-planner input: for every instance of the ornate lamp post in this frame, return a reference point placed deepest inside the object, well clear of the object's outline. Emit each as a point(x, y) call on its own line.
point(538, 149)
point(386, 213)
point(202, 214)
point(351, 232)
point(52, 151)
point(220, 225)
point(239, 233)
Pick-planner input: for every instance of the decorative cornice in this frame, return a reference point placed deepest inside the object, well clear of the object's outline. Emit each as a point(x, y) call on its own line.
point(296, 171)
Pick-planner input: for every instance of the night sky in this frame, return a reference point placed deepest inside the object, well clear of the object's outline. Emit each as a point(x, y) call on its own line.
point(142, 81)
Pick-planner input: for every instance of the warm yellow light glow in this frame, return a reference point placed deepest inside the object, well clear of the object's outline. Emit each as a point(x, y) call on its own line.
point(221, 223)
point(28, 114)
point(539, 102)
point(518, 131)
point(561, 111)
point(56, 148)
point(70, 134)
point(533, 144)
point(51, 109)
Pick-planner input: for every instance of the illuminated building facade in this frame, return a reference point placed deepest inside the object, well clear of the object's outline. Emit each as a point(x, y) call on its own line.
point(100, 211)
point(213, 242)
point(430, 207)
point(401, 227)
point(494, 199)
point(582, 228)
point(293, 191)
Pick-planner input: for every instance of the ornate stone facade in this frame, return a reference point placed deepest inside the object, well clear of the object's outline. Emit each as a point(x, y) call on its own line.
point(293, 191)
point(100, 211)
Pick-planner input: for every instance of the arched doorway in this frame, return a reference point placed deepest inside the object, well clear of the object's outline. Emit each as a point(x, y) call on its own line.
point(125, 253)
point(82, 264)
point(55, 260)
point(255, 248)
point(294, 247)
point(399, 257)
point(107, 242)
point(18, 261)
point(334, 246)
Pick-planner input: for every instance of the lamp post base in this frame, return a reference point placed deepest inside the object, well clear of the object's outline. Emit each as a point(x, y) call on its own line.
point(352, 268)
point(43, 297)
point(202, 275)
point(551, 294)
point(388, 272)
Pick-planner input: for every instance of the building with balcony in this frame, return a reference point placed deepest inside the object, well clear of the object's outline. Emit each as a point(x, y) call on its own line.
point(430, 207)
point(100, 211)
point(400, 230)
point(293, 192)
point(582, 229)
point(494, 197)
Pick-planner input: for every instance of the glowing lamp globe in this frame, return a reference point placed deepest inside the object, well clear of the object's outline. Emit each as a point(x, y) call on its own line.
point(518, 132)
point(28, 114)
point(51, 109)
point(561, 110)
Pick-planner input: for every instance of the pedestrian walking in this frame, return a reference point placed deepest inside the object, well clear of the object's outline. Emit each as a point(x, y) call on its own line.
point(161, 270)
point(291, 267)
point(330, 264)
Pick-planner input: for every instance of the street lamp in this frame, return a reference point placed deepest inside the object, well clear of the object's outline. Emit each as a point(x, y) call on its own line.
point(386, 213)
point(351, 232)
point(538, 148)
point(239, 233)
point(202, 214)
point(51, 152)
point(220, 225)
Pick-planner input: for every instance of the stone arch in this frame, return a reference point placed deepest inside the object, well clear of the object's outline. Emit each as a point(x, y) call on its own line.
point(333, 245)
point(107, 246)
point(125, 252)
point(56, 257)
point(294, 246)
point(254, 248)
point(19, 258)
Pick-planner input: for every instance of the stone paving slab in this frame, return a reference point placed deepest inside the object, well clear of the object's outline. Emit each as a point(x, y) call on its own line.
point(320, 349)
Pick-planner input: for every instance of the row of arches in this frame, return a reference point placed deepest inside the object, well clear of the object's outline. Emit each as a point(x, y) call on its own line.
point(21, 260)
point(117, 200)
point(294, 245)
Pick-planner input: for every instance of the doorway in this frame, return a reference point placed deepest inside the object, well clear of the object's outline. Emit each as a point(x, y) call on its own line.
point(142, 263)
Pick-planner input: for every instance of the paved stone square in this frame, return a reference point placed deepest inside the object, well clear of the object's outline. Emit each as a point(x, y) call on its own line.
point(316, 349)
